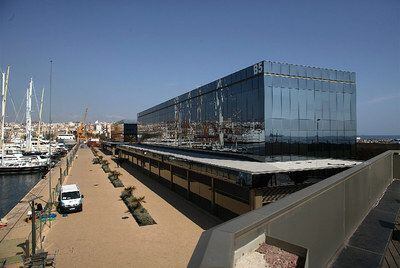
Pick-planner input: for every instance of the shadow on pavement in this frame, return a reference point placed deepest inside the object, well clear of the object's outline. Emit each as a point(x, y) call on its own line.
point(191, 211)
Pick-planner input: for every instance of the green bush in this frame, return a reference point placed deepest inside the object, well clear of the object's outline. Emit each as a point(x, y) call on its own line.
point(134, 205)
point(96, 161)
point(115, 180)
point(127, 192)
point(106, 168)
point(117, 183)
point(142, 216)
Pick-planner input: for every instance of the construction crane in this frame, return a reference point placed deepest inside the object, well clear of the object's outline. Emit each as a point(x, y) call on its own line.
point(81, 133)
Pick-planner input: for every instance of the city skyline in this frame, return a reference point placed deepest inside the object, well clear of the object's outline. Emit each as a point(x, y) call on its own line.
point(129, 62)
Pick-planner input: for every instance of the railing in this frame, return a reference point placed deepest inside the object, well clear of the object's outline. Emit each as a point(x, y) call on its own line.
point(319, 218)
point(64, 166)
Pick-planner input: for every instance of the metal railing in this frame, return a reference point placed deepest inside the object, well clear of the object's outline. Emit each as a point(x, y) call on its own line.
point(319, 218)
point(45, 217)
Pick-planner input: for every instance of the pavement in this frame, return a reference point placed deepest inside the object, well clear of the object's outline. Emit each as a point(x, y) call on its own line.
point(105, 234)
point(17, 229)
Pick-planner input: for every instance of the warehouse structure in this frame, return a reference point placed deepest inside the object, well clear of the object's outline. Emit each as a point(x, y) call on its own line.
point(249, 138)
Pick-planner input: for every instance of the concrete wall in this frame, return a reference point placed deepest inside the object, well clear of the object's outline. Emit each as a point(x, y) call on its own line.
point(396, 166)
point(319, 218)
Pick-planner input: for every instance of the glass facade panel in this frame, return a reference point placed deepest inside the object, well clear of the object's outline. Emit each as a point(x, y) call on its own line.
point(270, 111)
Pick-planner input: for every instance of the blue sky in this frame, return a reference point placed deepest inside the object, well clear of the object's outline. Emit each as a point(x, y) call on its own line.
point(120, 57)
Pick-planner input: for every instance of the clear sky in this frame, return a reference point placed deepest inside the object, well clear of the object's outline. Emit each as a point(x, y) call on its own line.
point(120, 57)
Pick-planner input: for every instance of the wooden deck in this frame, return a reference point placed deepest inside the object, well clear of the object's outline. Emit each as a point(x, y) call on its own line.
point(392, 255)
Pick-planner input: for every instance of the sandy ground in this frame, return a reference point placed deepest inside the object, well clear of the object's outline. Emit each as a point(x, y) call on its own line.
point(99, 237)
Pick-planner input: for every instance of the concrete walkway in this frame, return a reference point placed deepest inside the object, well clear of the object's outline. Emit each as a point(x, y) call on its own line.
point(100, 237)
point(17, 230)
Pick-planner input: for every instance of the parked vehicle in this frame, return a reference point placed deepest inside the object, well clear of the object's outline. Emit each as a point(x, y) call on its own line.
point(70, 198)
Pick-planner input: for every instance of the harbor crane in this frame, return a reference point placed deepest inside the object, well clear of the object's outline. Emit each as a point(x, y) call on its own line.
point(81, 133)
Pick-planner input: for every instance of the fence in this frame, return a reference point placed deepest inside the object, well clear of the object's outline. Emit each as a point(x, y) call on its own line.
point(46, 218)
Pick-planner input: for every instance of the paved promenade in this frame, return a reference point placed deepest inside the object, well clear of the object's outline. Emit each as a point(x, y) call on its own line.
point(100, 237)
point(17, 230)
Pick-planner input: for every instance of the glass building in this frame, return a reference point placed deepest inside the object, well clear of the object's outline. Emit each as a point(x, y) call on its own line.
point(269, 111)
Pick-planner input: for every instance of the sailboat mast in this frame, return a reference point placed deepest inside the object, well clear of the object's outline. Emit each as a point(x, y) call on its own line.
point(4, 90)
point(40, 114)
point(28, 117)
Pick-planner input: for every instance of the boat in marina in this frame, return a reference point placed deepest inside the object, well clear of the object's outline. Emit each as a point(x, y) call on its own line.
point(22, 164)
point(12, 158)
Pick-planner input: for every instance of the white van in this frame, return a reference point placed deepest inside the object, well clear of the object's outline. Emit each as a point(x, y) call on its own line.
point(70, 198)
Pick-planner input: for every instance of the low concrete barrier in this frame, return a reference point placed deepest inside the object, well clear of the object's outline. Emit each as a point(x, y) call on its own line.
point(319, 218)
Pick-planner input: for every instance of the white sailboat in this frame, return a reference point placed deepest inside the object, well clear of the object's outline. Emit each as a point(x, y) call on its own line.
point(15, 162)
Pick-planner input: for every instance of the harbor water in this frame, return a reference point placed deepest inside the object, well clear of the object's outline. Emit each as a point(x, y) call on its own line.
point(13, 188)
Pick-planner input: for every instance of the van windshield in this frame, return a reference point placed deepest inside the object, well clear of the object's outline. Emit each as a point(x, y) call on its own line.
point(70, 195)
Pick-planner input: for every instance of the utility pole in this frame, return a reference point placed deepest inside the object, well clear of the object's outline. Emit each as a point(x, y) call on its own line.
point(50, 138)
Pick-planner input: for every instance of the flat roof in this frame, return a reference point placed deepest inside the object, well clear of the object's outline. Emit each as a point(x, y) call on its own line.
point(247, 166)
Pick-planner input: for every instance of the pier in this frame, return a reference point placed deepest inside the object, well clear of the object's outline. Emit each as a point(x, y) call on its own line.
point(18, 230)
point(105, 233)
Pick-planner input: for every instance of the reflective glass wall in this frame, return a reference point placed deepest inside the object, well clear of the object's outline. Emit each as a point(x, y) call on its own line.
point(309, 112)
point(225, 115)
point(270, 111)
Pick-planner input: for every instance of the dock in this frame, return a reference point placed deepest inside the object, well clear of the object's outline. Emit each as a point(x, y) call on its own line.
point(18, 230)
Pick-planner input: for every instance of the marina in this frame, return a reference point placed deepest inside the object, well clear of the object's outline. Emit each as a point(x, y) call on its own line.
point(14, 187)
point(199, 134)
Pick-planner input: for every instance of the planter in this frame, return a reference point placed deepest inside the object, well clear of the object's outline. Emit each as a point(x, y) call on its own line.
point(115, 180)
point(117, 183)
point(142, 216)
point(106, 168)
point(139, 213)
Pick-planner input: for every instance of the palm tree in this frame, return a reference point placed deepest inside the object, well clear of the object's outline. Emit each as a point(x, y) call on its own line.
point(116, 173)
point(127, 191)
point(138, 201)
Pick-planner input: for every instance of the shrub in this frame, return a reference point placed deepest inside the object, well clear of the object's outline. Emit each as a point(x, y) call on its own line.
point(113, 177)
point(106, 168)
point(142, 216)
point(115, 173)
point(135, 207)
point(127, 192)
point(96, 161)
point(117, 183)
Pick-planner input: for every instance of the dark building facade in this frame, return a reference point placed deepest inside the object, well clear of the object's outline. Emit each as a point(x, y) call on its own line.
point(124, 131)
point(269, 111)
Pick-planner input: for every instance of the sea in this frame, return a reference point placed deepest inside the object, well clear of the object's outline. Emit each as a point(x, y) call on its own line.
point(380, 137)
point(13, 188)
